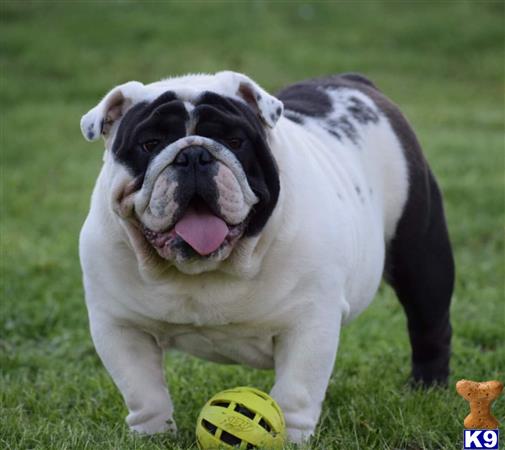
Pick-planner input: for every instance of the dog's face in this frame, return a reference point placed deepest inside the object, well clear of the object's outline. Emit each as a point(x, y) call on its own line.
point(190, 168)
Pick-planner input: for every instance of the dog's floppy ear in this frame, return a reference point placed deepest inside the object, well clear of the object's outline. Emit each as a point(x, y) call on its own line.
point(99, 120)
point(268, 107)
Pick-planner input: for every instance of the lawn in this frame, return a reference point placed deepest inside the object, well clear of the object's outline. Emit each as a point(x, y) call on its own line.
point(441, 61)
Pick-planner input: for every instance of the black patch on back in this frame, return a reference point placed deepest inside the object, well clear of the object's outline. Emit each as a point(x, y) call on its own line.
point(310, 98)
point(362, 112)
point(334, 132)
point(358, 78)
point(340, 126)
point(163, 120)
point(220, 118)
point(306, 98)
point(294, 117)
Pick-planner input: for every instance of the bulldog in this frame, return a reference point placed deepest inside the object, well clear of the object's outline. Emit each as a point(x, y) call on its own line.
point(243, 227)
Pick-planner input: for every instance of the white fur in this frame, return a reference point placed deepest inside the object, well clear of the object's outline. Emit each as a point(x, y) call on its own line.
point(279, 299)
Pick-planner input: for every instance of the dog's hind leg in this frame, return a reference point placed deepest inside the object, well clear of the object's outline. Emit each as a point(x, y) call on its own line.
point(420, 268)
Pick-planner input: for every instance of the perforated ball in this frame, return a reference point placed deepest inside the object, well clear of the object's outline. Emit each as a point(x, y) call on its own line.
point(241, 418)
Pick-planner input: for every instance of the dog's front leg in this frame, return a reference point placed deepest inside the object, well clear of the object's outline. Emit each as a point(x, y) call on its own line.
point(134, 361)
point(304, 358)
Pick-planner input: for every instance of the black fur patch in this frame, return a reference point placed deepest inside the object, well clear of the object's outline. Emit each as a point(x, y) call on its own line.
point(362, 112)
point(162, 120)
point(358, 78)
point(340, 126)
point(333, 132)
point(294, 117)
point(310, 98)
point(221, 118)
point(306, 98)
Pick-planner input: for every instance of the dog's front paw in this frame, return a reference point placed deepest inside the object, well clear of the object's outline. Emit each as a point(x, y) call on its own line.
point(298, 436)
point(155, 425)
point(151, 422)
point(299, 413)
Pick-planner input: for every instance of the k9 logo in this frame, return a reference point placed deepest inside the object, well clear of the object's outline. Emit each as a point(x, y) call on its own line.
point(487, 439)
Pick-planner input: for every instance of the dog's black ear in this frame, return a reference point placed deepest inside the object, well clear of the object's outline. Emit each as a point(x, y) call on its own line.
point(266, 106)
point(100, 119)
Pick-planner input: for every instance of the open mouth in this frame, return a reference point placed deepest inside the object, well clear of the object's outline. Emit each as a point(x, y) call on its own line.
point(198, 232)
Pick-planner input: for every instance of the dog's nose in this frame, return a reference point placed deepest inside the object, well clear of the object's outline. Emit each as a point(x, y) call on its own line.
point(193, 156)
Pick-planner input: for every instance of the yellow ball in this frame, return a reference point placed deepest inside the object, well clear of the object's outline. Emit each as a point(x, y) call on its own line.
point(241, 418)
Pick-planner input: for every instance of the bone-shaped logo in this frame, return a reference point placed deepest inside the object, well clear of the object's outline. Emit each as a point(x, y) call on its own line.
point(480, 396)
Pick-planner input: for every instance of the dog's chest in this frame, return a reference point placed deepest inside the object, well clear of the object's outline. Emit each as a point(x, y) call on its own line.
point(233, 343)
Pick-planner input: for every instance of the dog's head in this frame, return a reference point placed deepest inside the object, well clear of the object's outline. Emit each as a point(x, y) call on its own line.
point(189, 170)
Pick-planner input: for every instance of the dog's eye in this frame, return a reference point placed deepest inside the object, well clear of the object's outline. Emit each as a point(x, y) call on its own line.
point(234, 143)
point(149, 146)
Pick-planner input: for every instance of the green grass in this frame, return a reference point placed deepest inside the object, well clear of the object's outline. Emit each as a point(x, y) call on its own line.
point(441, 61)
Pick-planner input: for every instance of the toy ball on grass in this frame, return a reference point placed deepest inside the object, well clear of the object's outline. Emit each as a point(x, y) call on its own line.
point(241, 418)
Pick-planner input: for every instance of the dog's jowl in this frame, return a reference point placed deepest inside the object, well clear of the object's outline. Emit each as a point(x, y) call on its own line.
point(243, 227)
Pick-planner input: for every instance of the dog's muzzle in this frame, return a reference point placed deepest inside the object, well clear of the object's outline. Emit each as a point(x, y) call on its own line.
point(197, 188)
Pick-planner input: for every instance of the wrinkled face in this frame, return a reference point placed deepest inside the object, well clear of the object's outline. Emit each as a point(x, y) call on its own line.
point(201, 175)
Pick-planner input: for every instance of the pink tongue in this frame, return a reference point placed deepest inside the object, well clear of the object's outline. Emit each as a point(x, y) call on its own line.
point(201, 229)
